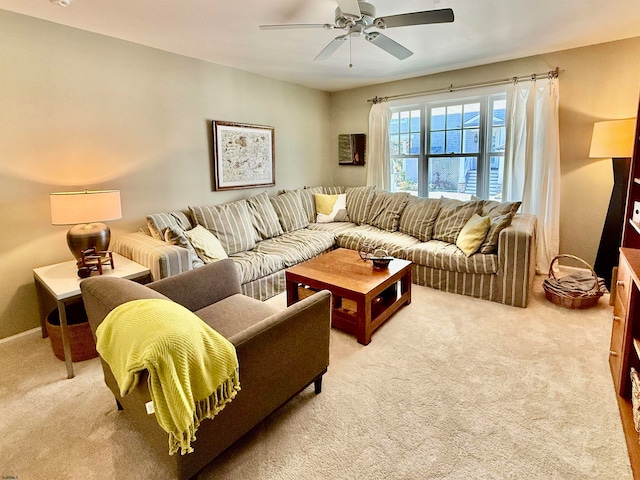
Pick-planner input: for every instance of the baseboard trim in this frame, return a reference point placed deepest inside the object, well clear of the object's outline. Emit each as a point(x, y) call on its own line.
point(20, 335)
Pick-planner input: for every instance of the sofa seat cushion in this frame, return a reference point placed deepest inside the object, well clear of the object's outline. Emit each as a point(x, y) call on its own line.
point(395, 243)
point(252, 265)
point(446, 256)
point(298, 246)
point(235, 314)
point(334, 227)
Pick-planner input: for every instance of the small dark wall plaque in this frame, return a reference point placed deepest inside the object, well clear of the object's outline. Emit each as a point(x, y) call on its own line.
point(351, 149)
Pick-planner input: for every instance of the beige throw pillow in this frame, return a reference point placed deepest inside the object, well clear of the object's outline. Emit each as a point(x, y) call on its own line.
point(331, 208)
point(473, 234)
point(206, 244)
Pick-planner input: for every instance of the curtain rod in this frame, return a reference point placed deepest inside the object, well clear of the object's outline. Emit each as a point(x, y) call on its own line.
point(532, 78)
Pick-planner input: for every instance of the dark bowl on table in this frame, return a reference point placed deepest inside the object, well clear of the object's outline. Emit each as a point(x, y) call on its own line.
point(381, 262)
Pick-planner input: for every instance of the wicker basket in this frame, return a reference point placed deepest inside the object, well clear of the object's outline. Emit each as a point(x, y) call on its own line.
point(561, 295)
point(81, 341)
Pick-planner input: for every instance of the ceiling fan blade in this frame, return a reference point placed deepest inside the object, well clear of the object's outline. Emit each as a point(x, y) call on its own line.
point(388, 45)
point(326, 26)
point(349, 8)
point(444, 15)
point(332, 47)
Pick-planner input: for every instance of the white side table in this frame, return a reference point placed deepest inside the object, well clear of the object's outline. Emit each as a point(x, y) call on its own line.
point(59, 285)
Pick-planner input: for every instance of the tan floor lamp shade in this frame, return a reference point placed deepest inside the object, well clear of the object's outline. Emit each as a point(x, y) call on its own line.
point(86, 210)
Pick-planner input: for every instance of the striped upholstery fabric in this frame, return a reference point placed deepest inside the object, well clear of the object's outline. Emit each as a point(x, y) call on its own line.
point(498, 223)
point(289, 209)
point(512, 282)
point(264, 217)
point(159, 222)
point(334, 227)
point(446, 256)
point(230, 222)
point(471, 284)
point(494, 209)
point(308, 201)
point(419, 217)
point(385, 210)
point(358, 203)
point(175, 235)
point(395, 243)
point(333, 190)
point(454, 214)
point(162, 259)
point(253, 265)
point(517, 259)
point(265, 287)
point(298, 246)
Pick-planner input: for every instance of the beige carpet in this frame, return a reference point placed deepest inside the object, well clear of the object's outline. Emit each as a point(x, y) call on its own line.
point(450, 388)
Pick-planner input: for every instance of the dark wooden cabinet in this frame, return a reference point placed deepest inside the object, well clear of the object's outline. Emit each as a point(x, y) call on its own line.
point(624, 351)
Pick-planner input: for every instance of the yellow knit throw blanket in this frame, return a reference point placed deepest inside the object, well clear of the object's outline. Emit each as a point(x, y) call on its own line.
point(193, 370)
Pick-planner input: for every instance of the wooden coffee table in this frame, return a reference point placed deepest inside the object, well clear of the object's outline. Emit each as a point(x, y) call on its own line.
point(363, 297)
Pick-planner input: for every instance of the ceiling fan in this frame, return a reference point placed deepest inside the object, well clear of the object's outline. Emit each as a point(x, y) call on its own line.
point(356, 18)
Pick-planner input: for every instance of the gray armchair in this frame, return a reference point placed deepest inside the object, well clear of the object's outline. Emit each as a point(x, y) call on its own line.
point(280, 352)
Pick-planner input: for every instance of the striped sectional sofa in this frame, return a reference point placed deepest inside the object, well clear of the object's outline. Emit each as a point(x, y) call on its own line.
point(265, 235)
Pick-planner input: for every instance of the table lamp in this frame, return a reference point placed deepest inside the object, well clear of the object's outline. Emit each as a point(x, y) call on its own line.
point(613, 139)
point(85, 210)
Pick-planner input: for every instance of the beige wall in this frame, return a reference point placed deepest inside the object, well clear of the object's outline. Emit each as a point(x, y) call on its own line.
point(83, 110)
point(599, 82)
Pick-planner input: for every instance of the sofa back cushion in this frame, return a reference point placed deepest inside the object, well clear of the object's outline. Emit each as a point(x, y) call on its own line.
point(264, 217)
point(307, 199)
point(290, 212)
point(159, 222)
point(386, 208)
point(230, 223)
point(358, 203)
point(453, 215)
point(419, 217)
point(332, 190)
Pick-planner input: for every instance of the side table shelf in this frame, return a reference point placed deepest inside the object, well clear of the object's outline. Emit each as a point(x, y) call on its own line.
point(58, 286)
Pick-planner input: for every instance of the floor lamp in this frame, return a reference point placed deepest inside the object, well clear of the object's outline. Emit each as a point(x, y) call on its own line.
point(613, 139)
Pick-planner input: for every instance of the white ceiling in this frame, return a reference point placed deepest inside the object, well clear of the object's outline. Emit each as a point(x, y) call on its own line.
point(226, 32)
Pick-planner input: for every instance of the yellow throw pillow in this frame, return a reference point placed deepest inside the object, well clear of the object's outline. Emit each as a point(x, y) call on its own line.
point(331, 208)
point(206, 244)
point(473, 234)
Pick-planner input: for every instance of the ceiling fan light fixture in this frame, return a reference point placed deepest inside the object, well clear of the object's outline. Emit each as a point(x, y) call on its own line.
point(61, 3)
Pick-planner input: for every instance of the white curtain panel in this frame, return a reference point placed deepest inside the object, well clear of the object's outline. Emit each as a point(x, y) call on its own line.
point(378, 164)
point(532, 160)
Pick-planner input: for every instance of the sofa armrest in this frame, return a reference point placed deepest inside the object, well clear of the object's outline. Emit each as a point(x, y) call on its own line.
point(161, 258)
point(517, 251)
point(202, 286)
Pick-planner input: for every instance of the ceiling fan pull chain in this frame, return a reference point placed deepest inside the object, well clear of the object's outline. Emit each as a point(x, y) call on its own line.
point(350, 63)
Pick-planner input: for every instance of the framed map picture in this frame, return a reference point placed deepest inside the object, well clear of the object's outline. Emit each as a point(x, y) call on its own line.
point(243, 155)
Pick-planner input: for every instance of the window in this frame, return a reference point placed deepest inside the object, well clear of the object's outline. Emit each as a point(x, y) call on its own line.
point(454, 148)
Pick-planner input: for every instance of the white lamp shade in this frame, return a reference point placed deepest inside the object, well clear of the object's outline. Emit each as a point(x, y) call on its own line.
point(70, 208)
point(613, 139)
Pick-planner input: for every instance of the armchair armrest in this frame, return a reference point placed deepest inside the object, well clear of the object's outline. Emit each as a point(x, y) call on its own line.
point(161, 258)
point(201, 287)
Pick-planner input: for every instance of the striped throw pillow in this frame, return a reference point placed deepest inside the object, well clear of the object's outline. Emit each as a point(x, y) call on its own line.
point(386, 208)
point(419, 217)
point(177, 236)
point(453, 215)
point(289, 209)
point(332, 190)
point(264, 217)
point(498, 223)
point(358, 203)
point(308, 201)
point(159, 222)
point(230, 223)
point(206, 244)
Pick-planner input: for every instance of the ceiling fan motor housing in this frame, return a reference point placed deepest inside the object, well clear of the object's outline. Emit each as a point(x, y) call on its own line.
point(368, 15)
